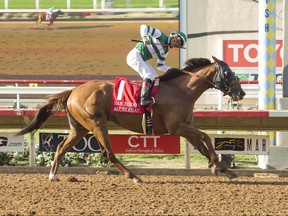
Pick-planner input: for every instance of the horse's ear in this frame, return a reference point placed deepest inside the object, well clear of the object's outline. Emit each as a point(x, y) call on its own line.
point(215, 59)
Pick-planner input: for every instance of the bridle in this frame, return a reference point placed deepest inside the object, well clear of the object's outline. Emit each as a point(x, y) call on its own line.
point(223, 78)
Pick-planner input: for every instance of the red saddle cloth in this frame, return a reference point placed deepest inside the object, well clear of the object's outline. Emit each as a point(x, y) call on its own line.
point(127, 94)
point(48, 16)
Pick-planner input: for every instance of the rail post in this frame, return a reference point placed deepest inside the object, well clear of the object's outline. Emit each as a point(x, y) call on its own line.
point(32, 150)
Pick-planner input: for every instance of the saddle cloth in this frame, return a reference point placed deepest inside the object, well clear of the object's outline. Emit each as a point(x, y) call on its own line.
point(127, 94)
point(48, 16)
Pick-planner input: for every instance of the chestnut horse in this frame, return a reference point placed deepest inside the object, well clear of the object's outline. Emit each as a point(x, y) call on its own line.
point(42, 17)
point(88, 108)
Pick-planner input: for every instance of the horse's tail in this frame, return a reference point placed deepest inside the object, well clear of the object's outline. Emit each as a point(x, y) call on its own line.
point(55, 103)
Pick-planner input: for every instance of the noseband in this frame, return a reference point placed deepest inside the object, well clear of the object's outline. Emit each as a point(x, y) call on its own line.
point(222, 79)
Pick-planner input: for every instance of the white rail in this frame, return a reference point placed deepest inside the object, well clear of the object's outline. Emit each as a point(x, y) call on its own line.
point(211, 97)
point(15, 93)
point(32, 90)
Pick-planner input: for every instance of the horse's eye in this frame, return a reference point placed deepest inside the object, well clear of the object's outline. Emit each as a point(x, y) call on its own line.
point(227, 74)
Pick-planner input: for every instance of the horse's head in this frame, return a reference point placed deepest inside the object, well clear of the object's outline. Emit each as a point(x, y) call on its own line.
point(60, 12)
point(55, 15)
point(226, 81)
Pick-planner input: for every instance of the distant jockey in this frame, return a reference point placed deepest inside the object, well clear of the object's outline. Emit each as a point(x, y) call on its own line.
point(49, 13)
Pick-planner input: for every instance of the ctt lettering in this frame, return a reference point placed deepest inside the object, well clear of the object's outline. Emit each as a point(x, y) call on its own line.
point(142, 141)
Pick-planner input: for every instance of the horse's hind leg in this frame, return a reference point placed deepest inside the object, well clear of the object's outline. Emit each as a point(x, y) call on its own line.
point(75, 135)
point(101, 133)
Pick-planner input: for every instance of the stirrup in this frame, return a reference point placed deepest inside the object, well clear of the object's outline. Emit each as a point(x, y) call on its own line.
point(149, 102)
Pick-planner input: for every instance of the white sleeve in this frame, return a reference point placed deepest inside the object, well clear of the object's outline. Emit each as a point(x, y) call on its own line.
point(145, 30)
point(161, 63)
point(163, 68)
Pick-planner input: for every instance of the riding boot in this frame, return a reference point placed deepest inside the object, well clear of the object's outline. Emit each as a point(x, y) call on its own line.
point(146, 98)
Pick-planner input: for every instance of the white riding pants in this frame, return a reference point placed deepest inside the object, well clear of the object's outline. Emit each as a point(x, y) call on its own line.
point(135, 61)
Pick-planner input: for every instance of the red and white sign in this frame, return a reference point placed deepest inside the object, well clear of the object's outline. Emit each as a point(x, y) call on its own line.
point(244, 53)
point(144, 144)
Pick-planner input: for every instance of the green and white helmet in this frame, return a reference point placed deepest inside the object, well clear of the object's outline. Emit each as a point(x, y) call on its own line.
point(180, 34)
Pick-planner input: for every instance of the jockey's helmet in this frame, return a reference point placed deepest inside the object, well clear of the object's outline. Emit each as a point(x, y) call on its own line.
point(180, 34)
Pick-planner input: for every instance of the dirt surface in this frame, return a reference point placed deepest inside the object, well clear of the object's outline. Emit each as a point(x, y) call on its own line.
point(100, 194)
point(73, 50)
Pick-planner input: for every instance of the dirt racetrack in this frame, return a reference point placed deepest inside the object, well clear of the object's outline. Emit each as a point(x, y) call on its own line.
point(99, 194)
point(73, 50)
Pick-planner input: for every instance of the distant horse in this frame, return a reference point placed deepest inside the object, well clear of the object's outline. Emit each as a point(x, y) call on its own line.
point(42, 17)
point(88, 108)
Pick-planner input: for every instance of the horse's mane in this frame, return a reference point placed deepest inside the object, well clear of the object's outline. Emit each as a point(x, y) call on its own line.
point(191, 64)
point(194, 63)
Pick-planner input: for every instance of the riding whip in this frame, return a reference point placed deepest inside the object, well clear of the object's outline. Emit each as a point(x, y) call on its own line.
point(133, 40)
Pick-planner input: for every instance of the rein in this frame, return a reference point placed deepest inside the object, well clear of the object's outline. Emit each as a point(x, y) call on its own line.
point(220, 81)
point(213, 84)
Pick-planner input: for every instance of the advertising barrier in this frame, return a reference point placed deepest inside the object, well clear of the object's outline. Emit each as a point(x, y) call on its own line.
point(121, 143)
point(10, 143)
point(239, 144)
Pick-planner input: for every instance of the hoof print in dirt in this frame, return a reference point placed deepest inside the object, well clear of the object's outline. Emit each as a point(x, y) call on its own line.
point(72, 179)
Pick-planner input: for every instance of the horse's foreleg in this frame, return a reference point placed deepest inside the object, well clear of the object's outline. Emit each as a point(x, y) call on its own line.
point(191, 134)
point(217, 165)
point(73, 138)
point(101, 133)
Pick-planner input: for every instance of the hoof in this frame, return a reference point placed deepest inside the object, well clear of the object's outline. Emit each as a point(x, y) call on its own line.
point(137, 180)
point(231, 175)
point(53, 177)
point(215, 171)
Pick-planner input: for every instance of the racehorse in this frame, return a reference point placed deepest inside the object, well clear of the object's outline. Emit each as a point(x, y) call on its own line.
point(42, 17)
point(88, 108)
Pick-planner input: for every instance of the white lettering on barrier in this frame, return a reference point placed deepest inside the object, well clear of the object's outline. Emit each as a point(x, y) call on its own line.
point(133, 141)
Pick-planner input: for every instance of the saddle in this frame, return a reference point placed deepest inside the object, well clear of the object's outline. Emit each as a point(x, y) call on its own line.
point(126, 99)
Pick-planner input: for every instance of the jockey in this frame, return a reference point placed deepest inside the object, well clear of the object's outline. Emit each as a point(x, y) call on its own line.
point(49, 13)
point(154, 44)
